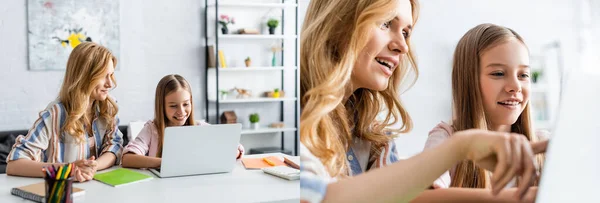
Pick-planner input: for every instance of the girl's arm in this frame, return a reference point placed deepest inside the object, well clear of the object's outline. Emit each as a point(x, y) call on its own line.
point(131, 160)
point(403, 181)
point(466, 195)
point(134, 153)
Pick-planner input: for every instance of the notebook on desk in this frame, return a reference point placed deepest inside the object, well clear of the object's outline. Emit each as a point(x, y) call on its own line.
point(120, 177)
point(36, 192)
point(259, 163)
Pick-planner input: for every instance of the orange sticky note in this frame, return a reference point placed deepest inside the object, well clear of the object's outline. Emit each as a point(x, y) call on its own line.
point(258, 163)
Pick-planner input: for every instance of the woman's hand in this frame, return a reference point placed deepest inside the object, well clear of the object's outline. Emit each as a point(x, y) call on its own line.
point(85, 169)
point(507, 155)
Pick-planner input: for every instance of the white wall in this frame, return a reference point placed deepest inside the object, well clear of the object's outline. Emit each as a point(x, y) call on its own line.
point(157, 38)
point(152, 46)
point(440, 26)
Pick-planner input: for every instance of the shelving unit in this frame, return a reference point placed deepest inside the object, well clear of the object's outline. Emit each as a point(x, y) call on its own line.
point(546, 93)
point(216, 79)
point(250, 4)
point(266, 130)
point(253, 36)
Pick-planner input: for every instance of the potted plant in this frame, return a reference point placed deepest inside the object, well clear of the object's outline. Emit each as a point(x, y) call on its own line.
point(272, 24)
point(535, 75)
point(254, 120)
point(224, 21)
point(248, 61)
point(224, 94)
point(276, 93)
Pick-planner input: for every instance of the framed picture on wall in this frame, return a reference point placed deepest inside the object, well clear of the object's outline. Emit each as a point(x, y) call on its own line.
point(56, 27)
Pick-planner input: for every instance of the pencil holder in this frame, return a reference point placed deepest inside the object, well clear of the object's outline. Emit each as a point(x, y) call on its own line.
point(59, 190)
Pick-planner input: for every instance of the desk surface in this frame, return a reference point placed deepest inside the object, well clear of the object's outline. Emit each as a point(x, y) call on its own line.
point(240, 185)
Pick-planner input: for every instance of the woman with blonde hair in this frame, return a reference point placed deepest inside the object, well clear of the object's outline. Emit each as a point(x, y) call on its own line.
point(354, 56)
point(80, 125)
point(490, 90)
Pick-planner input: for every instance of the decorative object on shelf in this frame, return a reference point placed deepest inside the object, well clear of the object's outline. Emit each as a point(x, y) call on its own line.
point(275, 49)
point(272, 24)
point(224, 21)
point(254, 121)
point(224, 94)
point(271, 94)
point(228, 117)
point(242, 93)
point(222, 59)
point(248, 31)
point(276, 93)
point(535, 75)
point(277, 125)
point(248, 61)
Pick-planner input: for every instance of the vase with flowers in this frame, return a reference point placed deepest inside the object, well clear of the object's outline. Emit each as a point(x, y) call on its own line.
point(225, 20)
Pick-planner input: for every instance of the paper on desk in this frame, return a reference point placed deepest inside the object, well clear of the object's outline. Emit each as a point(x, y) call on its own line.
point(258, 163)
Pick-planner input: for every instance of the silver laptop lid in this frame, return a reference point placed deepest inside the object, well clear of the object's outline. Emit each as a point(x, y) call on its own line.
point(194, 150)
point(572, 169)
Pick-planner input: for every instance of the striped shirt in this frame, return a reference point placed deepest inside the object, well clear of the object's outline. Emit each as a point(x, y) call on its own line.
point(45, 142)
point(314, 177)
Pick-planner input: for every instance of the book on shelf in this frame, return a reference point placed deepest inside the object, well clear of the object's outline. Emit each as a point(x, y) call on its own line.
point(222, 59)
point(211, 56)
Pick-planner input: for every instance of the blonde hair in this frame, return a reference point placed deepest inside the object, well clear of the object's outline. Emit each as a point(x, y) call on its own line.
point(167, 85)
point(333, 35)
point(86, 66)
point(468, 108)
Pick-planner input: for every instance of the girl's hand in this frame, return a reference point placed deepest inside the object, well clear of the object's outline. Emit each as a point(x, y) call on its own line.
point(240, 153)
point(507, 155)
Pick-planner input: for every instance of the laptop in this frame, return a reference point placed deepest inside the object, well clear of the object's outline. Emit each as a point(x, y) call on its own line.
point(571, 172)
point(197, 150)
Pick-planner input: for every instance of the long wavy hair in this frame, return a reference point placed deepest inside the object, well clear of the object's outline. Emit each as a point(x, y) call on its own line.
point(468, 99)
point(333, 35)
point(86, 66)
point(167, 85)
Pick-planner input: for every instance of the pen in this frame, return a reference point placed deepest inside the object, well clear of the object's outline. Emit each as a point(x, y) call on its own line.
point(268, 161)
point(68, 172)
point(59, 172)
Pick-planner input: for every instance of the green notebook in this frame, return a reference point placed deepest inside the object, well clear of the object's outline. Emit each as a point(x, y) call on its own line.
point(121, 176)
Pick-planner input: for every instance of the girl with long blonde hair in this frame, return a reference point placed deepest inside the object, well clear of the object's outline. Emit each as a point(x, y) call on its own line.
point(490, 90)
point(80, 125)
point(355, 54)
point(173, 106)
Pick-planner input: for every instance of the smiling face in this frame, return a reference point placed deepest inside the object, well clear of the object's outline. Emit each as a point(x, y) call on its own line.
point(178, 107)
point(381, 56)
point(100, 92)
point(504, 82)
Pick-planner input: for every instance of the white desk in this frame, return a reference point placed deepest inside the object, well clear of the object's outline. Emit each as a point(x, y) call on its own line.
point(241, 185)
